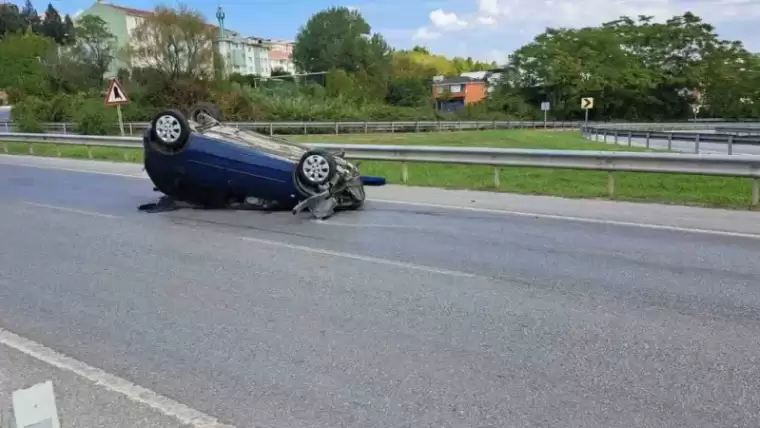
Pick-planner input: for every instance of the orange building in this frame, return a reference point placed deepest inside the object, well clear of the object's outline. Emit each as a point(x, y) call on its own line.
point(453, 93)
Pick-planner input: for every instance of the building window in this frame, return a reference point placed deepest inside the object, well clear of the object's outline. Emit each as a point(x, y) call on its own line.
point(456, 88)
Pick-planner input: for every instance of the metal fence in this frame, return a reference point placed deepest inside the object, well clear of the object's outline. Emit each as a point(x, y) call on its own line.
point(671, 163)
point(333, 127)
point(618, 136)
point(357, 127)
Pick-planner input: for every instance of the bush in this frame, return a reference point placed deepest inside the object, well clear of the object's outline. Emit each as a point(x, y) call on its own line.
point(28, 114)
point(94, 118)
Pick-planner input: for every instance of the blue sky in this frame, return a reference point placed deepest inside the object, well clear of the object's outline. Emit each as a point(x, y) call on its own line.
point(483, 29)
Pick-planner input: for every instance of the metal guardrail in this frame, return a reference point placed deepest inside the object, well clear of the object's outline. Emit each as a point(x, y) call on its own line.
point(333, 127)
point(729, 139)
point(353, 127)
point(669, 163)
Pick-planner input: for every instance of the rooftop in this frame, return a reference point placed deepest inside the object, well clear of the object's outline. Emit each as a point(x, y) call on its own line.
point(145, 13)
point(456, 79)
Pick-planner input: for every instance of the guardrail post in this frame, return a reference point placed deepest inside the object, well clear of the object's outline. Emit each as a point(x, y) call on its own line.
point(393, 127)
point(7, 129)
point(696, 144)
point(404, 172)
point(670, 142)
point(630, 137)
point(496, 177)
point(648, 135)
point(271, 129)
point(131, 131)
point(64, 128)
point(730, 144)
point(611, 183)
point(366, 127)
point(605, 136)
point(304, 128)
point(616, 137)
point(336, 127)
point(755, 192)
point(417, 126)
point(89, 152)
point(31, 148)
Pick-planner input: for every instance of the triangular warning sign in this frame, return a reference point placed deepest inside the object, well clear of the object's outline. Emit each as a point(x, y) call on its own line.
point(115, 94)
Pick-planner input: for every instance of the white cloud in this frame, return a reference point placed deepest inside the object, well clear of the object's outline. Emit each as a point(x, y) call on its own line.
point(486, 20)
point(489, 7)
point(425, 34)
point(576, 13)
point(489, 29)
point(442, 19)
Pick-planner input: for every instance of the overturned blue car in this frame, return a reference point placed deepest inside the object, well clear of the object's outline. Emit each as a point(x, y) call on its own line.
point(198, 160)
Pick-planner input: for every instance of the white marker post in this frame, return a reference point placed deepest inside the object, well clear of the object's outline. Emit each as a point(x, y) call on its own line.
point(116, 97)
point(545, 106)
point(35, 407)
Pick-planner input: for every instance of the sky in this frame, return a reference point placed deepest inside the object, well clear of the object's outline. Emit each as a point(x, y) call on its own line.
point(483, 29)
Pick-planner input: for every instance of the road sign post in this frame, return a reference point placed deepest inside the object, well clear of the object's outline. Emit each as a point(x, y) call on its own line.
point(115, 96)
point(587, 103)
point(545, 106)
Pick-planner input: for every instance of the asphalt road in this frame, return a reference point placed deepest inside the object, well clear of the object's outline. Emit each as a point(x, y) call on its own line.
point(389, 317)
point(682, 146)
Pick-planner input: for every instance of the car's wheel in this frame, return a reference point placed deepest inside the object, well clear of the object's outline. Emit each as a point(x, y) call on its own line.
point(170, 131)
point(205, 108)
point(316, 168)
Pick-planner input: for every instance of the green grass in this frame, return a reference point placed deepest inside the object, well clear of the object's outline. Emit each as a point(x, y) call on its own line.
point(663, 188)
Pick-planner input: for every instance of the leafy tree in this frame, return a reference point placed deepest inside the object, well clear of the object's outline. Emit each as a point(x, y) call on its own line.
point(69, 30)
point(410, 91)
point(278, 71)
point(95, 48)
point(11, 20)
point(30, 17)
point(21, 62)
point(52, 26)
point(340, 38)
point(177, 42)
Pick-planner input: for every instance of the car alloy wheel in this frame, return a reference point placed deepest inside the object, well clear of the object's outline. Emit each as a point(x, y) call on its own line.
point(168, 129)
point(316, 169)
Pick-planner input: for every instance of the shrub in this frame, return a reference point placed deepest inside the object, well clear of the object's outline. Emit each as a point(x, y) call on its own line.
point(94, 118)
point(28, 114)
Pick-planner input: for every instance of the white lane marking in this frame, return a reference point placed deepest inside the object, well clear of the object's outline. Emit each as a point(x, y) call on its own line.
point(373, 225)
point(70, 210)
point(578, 219)
point(60, 168)
point(369, 259)
point(135, 393)
point(495, 211)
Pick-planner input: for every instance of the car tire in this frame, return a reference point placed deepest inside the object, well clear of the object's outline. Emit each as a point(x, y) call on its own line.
point(203, 107)
point(169, 131)
point(316, 168)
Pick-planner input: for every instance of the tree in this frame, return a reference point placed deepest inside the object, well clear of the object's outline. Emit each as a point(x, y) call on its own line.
point(179, 43)
point(69, 31)
point(95, 47)
point(31, 19)
point(52, 25)
point(635, 68)
point(23, 70)
point(279, 71)
point(340, 38)
point(11, 20)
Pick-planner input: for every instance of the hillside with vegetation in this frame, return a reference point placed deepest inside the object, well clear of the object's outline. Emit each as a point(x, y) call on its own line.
point(637, 69)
